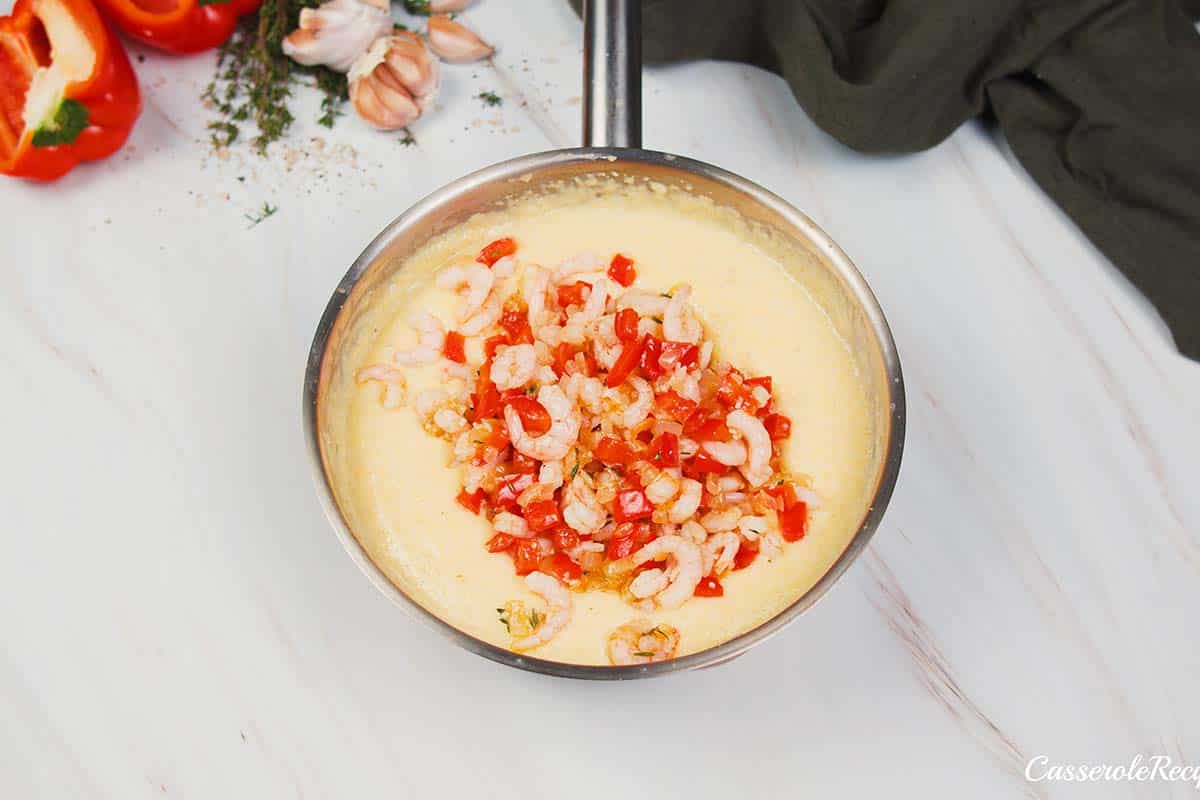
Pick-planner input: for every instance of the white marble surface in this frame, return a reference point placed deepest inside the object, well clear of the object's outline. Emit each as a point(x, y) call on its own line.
point(178, 620)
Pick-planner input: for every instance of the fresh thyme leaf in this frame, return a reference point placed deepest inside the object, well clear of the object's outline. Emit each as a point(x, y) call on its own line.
point(657, 319)
point(490, 99)
point(504, 618)
point(396, 26)
point(535, 619)
point(644, 654)
point(223, 133)
point(659, 632)
point(531, 389)
point(418, 7)
point(575, 469)
point(254, 79)
point(409, 140)
point(664, 294)
point(69, 121)
point(267, 210)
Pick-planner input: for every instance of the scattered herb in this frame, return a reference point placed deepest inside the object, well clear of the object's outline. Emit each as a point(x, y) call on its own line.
point(644, 654)
point(575, 469)
point(253, 82)
point(267, 210)
point(531, 389)
point(535, 619)
point(409, 140)
point(657, 319)
point(664, 294)
point(397, 26)
point(490, 99)
point(418, 7)
point(659, 632)
point(503, 612)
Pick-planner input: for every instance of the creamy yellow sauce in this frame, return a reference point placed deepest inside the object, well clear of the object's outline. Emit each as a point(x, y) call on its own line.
point(396, 490)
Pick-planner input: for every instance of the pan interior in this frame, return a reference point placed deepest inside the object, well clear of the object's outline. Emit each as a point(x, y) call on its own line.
point(378, 289)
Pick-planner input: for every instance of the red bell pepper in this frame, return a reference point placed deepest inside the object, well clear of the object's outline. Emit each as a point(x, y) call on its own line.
point(67, 92)
point(178, 26)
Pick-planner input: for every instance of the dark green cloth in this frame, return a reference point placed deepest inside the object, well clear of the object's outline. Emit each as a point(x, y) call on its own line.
point(1099, 99)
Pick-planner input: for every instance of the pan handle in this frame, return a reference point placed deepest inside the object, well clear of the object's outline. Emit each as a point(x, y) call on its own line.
point(612, 73)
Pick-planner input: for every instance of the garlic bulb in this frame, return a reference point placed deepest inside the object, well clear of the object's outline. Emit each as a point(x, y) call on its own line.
point(394, 81)
point(454, 42)
point(337, 32)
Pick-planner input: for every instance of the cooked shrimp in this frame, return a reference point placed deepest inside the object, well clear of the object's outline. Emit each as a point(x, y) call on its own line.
point(719, 551)
point(648, 583)
point(752, 526)
point(394, 386)
point(474, 280)
point(449, 420)
point(513, 366)
point(558, 610)
point(757, 468)
point(551, 474)
point(564, 427)
point(507, 522)
point(690, 492)
point(430, 337)
point(534, 283)
point(581, 510)
point(718, 521)
point(638, 410)
point(428, 401)
point(693, 530)
point(644, 303)
point(706, 351)
point(487, 316)
point(638, 642)
point(582, 262)
point(680, 323)
point(731, 454)
point(593, 308)
point(661, 488)
point(685, 572)
point(505, 267)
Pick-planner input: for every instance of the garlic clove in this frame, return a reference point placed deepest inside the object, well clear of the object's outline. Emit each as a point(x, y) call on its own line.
point(337, 32)
point(394, 81)
point(455, 43)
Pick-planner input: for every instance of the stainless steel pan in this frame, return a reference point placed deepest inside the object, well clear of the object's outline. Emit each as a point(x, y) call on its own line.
point(612, 143)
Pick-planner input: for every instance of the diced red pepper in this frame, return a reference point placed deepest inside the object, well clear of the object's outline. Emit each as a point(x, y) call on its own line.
point(651, 353)
point(632, 505)
point(764, 382)
point(778, 426)
point(574, 294)
point(626, 325)
point(500, 542)
point(565, 538)
point(745, 556)
point(621, 270)
point(497, 436)
point(700, 464)
point(485, 400)
point(535, 419)
point(471, 501)
point(492, 344)
point(510, 489)
point(672, 354)
point(515, 321)
point(454, 347)
point(631, 353)
point(564, 353)
point(732, 388)
point(709, 587)
point(526, 556)
point(542, 515)
point(620, 547)
point(678, 408)
point(496, 250)
point(793, 522)
point(562, 567)
point(784, 494)
point(664, 450)
point(712, 430)
point(613, 451)
point(522, 463)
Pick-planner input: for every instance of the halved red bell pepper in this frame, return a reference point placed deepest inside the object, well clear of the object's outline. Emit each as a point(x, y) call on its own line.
point(67, 92)
point(178, 26)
